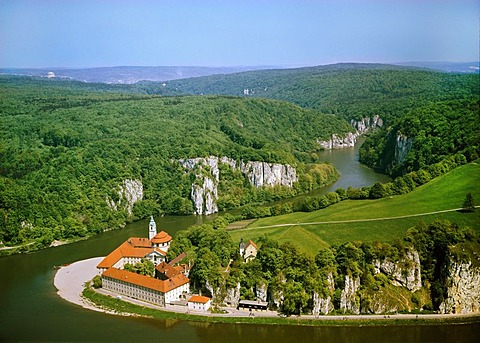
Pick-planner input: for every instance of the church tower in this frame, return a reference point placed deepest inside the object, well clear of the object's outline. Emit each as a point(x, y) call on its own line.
point(152, 228)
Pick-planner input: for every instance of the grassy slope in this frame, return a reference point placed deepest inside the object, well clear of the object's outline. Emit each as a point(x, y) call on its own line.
point(445, 192)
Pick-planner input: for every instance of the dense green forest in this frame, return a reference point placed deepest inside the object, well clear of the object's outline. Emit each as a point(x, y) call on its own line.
point(430, 134)
point(65, 147)
point(351, 91)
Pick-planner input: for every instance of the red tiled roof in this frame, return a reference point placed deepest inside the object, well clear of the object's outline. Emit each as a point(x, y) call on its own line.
point(167, 270)
point(163, 286)
point(250, 242)
point(198, 299)
point(161, 237)
point(177, 259)
point(132, 247)
point(139, 242)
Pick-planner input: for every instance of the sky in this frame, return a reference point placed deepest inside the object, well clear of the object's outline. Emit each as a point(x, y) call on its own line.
point(219, 33)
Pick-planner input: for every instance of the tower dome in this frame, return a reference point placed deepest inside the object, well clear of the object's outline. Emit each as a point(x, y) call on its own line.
point(152, 228)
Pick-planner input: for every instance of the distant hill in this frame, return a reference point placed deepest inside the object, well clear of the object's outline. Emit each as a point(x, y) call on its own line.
point(349, 90)
point(449, 67)
point(126, 75)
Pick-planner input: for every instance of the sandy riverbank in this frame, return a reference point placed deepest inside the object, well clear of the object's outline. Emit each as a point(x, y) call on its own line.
point(70, 280)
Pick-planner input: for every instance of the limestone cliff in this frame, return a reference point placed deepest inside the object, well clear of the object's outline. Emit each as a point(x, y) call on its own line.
point(204, 192)
point(261, 292)
point(269, 174)
point(367, 124)
point(405, 273)
point(348, 140)
point(348, 299)
point(324, 305)
point(402, 148)
point(463, 288)
point(129, 192)
point(232, 296)
point(339, 142)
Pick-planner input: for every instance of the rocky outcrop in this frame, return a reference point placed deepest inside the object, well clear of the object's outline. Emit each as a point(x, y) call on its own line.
point(339, 142)
point(406, 272)
point(129, 192)
point(261, 292)
point(463, 289)
point(349, 139)
point(204, 192)
point(233, 296)
point(324, 305)
point(402, 148)
point(367, 124)
point(269, 174)
point(348, 298)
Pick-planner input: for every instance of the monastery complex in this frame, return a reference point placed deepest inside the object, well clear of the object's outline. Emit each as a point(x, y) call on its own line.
point(171, 282)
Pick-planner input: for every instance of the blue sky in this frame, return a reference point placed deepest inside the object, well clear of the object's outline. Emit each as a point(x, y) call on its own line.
point(92, 33)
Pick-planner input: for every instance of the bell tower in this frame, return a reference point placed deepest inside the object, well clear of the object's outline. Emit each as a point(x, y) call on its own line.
point(152, 228)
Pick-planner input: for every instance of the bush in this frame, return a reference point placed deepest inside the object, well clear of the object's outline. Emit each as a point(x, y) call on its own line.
point(97, 281)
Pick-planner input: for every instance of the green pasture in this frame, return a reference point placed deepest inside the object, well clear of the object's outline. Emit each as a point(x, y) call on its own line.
point(443, 193)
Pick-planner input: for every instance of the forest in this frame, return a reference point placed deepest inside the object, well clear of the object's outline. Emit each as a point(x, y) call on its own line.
point(349, 90)
point(66, 146)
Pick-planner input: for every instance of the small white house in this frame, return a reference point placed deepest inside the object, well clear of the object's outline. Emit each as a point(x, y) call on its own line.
point(199, 303)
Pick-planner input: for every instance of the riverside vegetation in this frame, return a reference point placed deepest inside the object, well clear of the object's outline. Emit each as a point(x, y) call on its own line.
point(53, 131)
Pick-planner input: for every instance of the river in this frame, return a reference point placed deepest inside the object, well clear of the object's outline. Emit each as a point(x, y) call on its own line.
point(30, 309)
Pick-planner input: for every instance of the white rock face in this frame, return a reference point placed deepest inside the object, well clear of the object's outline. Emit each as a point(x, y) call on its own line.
point(204, 192)
point(323, 305)
point(366, 124)
point(350, 139)
point(402, 148)
point(269, 174)
point(261, 292)
point(339, 142)
point(233, 296)
point(405, 273)
point(463, 289)
point(129, 192)
point(348, 301)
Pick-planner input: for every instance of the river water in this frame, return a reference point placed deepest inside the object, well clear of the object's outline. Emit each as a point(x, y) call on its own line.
point(30, 309)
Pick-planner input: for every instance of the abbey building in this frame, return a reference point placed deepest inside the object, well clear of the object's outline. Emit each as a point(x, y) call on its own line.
point(172, 283)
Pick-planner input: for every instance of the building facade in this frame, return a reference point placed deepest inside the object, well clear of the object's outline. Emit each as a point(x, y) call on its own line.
point(199, 303)
point(172, 286)
point(145, 288)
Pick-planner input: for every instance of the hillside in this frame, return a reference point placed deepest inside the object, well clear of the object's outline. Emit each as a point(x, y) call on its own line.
point(75, 157)
point(425, 136)
point(443, 193)
point(352, 91)
point(125, 74)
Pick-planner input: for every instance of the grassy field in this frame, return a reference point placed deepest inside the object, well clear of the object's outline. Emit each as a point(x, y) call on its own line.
point(443, 193)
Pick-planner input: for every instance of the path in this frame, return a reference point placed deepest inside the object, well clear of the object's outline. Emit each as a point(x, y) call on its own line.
point(354, 220)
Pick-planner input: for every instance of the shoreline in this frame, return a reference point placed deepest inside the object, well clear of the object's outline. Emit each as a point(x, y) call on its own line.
point(70, 283)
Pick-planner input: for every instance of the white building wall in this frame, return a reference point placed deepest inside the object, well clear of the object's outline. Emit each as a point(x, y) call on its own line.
point(133, 291)
point(199, 306)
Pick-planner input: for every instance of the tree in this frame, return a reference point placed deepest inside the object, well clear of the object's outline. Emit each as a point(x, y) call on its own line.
point(469, 203)
point(377, 191)
point(295, 298)
point(97, 281)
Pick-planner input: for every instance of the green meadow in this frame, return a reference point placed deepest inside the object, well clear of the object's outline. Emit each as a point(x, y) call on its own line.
point(374, 220)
